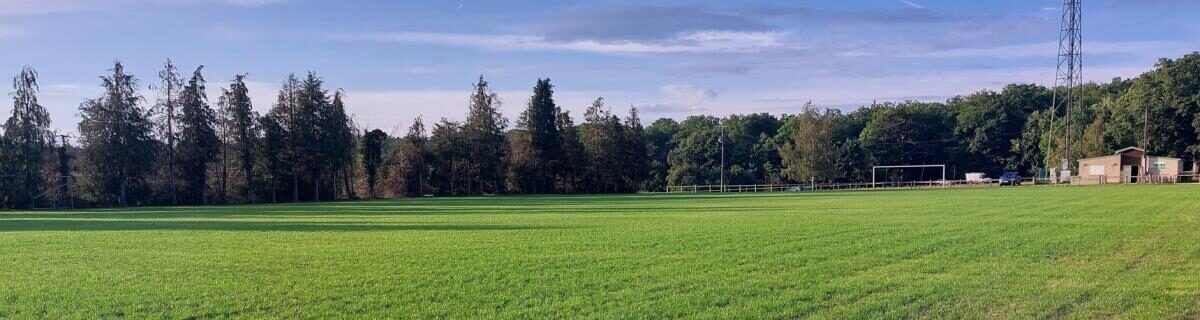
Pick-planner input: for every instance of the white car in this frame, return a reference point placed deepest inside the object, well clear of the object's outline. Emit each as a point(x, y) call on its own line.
point(978, 178)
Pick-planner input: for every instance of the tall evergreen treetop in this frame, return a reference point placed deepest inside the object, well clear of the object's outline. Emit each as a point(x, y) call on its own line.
point(198, 141)
point(242, 124)
point(116, 137)
point(28, 133)
point(539, 121)
point(484, 132)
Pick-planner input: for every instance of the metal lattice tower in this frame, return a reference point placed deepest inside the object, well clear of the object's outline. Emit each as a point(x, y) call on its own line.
point(1069, 76)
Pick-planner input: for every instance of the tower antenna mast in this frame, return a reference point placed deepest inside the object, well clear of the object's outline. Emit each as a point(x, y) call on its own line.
point(1069, 77)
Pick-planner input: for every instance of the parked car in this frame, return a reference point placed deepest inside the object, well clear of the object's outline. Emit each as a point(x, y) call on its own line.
point(1010, 179)
point(978, 178)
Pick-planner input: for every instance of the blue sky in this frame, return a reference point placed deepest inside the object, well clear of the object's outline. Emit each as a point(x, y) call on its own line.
point(400, 59)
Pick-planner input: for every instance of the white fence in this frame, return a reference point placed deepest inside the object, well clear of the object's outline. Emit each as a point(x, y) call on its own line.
point(1150, 179)
point(1181, 179)
point(831, 186)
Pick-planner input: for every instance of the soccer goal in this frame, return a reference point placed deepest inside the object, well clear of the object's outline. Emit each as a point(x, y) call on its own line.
point(54, 193)
point(902, 175)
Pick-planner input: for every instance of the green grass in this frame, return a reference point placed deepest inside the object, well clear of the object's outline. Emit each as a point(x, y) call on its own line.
point(1080, 252)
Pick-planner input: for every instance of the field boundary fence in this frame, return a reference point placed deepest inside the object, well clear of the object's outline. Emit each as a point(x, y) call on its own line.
point(933, 184)
point(798, 187)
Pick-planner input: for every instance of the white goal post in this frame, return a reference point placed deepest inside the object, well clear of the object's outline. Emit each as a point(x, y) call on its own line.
point(876, 168)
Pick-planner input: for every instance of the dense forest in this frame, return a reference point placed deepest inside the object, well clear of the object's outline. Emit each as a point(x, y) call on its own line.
point(185, 148)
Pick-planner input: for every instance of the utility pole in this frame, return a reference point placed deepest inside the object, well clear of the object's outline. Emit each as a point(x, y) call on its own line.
point(1069, 75)
point(64, 172)
point(1145, 144)
point(721, 140)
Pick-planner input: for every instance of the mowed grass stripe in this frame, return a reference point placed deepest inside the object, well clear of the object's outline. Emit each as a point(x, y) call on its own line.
point(1042, 252)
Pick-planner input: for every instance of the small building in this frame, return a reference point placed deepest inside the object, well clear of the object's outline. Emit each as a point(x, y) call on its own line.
point(1129, 165)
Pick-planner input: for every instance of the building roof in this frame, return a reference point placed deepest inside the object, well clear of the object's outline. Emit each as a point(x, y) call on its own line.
point(1098, 158)
point(1122, 151)
point(1129, 149)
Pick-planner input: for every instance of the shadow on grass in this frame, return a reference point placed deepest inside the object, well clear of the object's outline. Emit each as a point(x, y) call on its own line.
point(515, 205)
point(138, 225)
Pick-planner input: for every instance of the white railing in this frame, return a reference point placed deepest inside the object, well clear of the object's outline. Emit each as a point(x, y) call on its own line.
point(800, 187)
point(829, 186)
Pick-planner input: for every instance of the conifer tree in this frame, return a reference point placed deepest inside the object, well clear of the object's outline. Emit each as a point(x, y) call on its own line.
point(636, 162)
point(198, 140)
point(26, 143)
point(540, 125)
point(338, 137)
point(285, 136)
point(484, 134)
point(167, 106)
point(271, 154)
point(244, 130)
point(570, 174)
point(372, 157)
point(116, 139)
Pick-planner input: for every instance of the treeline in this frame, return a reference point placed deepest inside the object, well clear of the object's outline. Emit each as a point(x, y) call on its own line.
point(183, 148)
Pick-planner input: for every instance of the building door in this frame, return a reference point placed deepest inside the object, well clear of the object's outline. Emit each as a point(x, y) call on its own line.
point(1127, 174)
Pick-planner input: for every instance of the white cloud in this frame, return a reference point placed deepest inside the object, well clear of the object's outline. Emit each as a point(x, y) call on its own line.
point(912, 4)
point(690, 42)
point(689, 95)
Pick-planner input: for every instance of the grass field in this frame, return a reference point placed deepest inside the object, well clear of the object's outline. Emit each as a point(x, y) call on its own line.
point(1081, 252)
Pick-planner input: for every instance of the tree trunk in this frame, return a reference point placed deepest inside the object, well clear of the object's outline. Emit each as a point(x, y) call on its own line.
point(295, 186)
point(348, 177)
point(121, 200)
point(316, 185)
point(247, 164)
point(224, 176)
point(204, 189)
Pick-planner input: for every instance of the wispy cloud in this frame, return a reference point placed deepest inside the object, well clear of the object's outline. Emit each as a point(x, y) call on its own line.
point(912, 4)
point(693, 42)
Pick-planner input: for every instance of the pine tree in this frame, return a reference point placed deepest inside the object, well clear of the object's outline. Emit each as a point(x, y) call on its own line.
point(636, 159)
point(603, 139)
point(286, 123)
point(484, 133)
point(271, 154)
point(521, 164)
point(450, 163)
point(339, 140)
point(540, 125)
point(116, 138)
point(244, 130)
point(170, 84)
point(570, 174)
point(416, 154)
point(372, 157)
point(312, 131)
point(28, 138)
point(198, 140)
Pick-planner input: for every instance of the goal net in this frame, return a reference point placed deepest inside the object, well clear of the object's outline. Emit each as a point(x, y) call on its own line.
point(908, 175)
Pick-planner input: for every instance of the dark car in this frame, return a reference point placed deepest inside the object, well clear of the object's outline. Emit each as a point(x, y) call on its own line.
point(1010, 179)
